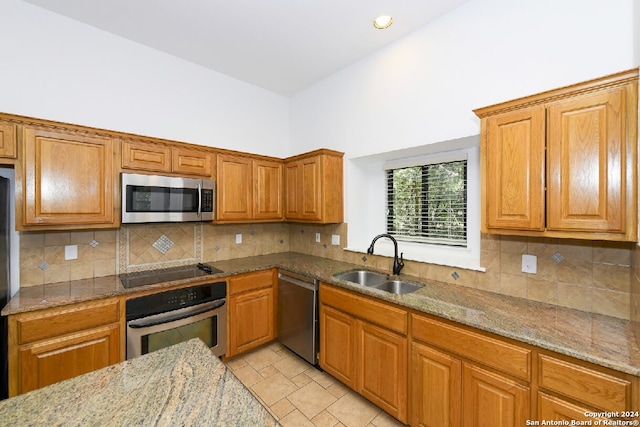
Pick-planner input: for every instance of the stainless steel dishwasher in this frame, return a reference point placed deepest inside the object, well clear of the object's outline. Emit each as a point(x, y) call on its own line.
point(298, 315)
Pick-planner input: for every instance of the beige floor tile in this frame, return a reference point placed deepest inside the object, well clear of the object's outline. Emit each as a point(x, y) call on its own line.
point(296, 419)
point(262, 358)
point(385, 420)
point(322, 378)
point(268, 371)
point(291, 365)
point(311, 399)
point(282, 408)
point(338, 389)
point(324, 419)
point(274, 388)
point(301, 380)
point(247, 375)
point(353, 411)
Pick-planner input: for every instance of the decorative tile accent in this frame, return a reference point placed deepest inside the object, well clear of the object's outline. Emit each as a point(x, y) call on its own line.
point(216, 248)
point(557, 257)
point(281, 241)
point(43, 265)
point(93, 243)
point(163, 244)
point(364, 258)
point(455, 275)
point(140, 246)
point(253, 233)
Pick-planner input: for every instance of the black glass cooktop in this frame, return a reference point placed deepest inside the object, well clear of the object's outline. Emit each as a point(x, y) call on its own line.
point(143, 278)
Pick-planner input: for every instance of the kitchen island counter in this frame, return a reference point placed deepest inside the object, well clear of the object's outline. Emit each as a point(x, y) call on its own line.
point(184, 384)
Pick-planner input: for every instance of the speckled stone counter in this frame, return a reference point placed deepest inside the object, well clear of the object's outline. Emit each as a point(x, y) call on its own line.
point(182, 385)
point(595, 338)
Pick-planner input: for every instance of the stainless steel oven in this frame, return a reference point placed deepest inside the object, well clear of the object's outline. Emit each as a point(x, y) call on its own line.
point(162, 319)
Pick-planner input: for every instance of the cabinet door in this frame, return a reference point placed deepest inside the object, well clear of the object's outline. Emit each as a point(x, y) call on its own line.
point(491, 400)
point(267, 189)
point(251, 320)
point(587, 163)
point(293, 196)
point(192, 162)
point(54, 360)
point(337, 345)
point(514, 170)
point(382, 368)
point(234, 199)
point(311, 189)
point(435, 388)
point(68, 178)
point(146, 156)
point(8, 140)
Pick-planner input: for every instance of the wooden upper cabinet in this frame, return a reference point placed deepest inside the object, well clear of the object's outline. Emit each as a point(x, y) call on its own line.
point(8, 146)
point(563, 163)
point(515, 147)
point(314, 187)
point(267, 189)
point(146, 156)
point(249, 189)
point(587, 163)
point(192, 162)
point(234, 198)
point(68, 179)
point(156, 157)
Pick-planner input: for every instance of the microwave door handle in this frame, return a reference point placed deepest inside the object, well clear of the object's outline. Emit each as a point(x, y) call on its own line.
point(199, 213)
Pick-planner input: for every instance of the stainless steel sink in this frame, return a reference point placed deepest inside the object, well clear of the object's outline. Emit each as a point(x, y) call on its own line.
point(362, 277)
point(398, 287)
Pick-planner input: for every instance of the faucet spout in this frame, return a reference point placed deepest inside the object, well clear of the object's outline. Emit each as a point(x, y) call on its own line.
point(398, 262)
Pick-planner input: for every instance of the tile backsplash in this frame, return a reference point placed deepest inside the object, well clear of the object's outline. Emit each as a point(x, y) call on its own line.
point(598, 277)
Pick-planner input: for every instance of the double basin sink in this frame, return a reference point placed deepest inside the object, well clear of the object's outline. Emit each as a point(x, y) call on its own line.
point(374, 280)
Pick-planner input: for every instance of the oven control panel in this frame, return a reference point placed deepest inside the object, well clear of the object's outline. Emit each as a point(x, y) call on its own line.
point(162, 302)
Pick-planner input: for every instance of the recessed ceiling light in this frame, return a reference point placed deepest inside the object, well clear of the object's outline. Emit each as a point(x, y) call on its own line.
point(382, 22)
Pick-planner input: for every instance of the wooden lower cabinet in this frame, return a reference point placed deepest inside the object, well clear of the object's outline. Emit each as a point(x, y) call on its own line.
point(51, 361)
point(251, 311)
point(436, 388)
point(382, 368)
point(358, 348)
point(52, 345)
point(490, 399)
point(555, 409)
point(337, 345)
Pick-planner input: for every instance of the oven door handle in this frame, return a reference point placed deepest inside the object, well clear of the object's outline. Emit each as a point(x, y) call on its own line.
point(169, 317)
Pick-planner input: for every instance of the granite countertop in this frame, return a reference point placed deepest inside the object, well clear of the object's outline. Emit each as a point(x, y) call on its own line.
point(595, 338)
point(183, 385)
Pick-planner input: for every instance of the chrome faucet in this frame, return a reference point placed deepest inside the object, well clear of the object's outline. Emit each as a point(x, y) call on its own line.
point(397, 262)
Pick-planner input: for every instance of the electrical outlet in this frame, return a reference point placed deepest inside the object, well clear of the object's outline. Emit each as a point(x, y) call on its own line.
point(335, 239)
point(529, 264)
point(238, 238)
point(317, 237)
point(71, 252)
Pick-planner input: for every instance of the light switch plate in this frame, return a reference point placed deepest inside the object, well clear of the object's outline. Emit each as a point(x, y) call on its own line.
point(529, 264)
point(317, 237)
point(335, 239)
point(71, 252)
point(238, 238)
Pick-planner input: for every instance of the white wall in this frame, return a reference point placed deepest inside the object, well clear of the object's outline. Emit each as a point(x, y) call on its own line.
point(423, 88)
point(59, 69)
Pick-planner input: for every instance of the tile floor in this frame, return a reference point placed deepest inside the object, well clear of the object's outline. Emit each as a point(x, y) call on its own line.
point(299, 395)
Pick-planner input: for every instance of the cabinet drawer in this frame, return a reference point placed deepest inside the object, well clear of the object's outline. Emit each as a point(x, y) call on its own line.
point(63, 321)
point(587, 385)
point(500, 355)
point(146, 156)
point(251, 281)
point(375, 312)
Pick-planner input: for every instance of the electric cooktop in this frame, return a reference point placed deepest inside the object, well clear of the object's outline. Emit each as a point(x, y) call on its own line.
point(143, 278)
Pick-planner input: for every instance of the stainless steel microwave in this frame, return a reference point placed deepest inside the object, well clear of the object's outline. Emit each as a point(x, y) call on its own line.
point(155, 198)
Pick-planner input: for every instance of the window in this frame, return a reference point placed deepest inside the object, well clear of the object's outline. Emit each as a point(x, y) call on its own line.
point(428, 203)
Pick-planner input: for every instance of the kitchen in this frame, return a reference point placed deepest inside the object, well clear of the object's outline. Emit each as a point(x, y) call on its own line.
point(449, 117)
